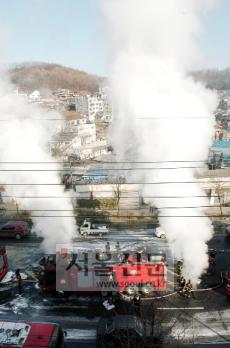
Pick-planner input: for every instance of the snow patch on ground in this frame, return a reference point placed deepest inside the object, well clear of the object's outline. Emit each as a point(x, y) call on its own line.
point(18, 304)
point(80, 334)
point(205, 324)
point(10, 276)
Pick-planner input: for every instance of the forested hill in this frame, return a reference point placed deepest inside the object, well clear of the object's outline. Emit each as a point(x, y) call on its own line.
point(31, 76)
point(214, 79)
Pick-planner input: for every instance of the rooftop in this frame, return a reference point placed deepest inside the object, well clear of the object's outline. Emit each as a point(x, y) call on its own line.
point(221, 144)
point(64, 136)
point(73, 115)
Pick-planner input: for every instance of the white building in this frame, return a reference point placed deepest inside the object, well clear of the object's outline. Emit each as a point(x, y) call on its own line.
point(95, 106)
point(80, 125)
point(35, 96)
point(81, 104)
point(87, 132)
point(65, 142)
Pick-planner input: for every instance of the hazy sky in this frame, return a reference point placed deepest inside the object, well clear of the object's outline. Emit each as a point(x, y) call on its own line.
point(72, 33)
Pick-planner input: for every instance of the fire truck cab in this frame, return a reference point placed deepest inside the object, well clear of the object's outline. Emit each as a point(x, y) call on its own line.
point(227, 288)
point(30, 335)
point(3, 263)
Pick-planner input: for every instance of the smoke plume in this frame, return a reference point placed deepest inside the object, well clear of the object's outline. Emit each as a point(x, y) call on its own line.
point(161, 114)
point(24, 136)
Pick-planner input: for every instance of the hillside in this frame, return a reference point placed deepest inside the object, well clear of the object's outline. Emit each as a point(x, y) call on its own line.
point(214, 79)
point(31, 76)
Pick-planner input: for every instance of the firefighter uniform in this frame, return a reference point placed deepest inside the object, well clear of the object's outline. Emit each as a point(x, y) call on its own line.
point(182, 284)
point(188, 289)
point(19, 279)
point(107, 247)
point(179, 268)
point(137, 304)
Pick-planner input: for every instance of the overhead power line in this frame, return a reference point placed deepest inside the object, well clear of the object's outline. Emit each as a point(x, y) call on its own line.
point(96, 170)
point(137, 118)
point(146, 162)
point(125, 183)
point(98, 161)
point(121, 209)
point(176, 118)
point(128, 197)
point(131, 216)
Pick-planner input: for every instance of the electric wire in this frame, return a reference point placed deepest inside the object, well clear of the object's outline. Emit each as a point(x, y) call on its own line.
point(121, 209)
point(96, 170)
point(128, 197)
point(100, 161)
point(137, 118)
point(125, 183)
point(127, 216)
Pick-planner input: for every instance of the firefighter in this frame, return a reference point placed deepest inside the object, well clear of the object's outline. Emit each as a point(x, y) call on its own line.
point(107, 247)
point(118, 248)
point(179, 267)
point(188, 289)
point(182, 284)
point(127, 258)
point(137, 304)
point(19, 279)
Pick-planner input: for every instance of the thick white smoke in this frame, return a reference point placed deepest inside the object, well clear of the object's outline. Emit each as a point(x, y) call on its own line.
point(24, 136)
point(152, 48)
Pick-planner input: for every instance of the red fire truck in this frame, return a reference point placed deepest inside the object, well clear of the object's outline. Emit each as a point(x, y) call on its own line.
point(227, 288)
point(144, 278)
point(120, 275)
point(30, 335)
point(3, 263)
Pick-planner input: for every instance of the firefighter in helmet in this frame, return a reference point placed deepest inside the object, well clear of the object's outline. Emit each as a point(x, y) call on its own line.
point(182, 284)
point(188, 289)
point(137, 304)
point(107, 247)
point(179, 267)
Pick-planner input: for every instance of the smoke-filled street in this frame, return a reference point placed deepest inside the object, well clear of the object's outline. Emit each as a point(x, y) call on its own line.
point(80, 315)
point(114, 174)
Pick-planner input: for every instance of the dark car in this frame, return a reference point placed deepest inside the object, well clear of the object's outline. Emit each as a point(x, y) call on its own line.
point(15, 229)
point(117, 330)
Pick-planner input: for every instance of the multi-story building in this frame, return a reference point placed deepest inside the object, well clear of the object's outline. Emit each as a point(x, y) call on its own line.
point(95, 106)
point(81, 104)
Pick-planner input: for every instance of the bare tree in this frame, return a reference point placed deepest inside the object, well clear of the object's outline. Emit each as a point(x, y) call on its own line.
point(118, 191)
point(219, 193)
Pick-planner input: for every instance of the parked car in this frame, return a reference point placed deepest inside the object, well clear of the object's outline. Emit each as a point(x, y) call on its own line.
point(159, 233)
point(113, 331)
point(16, 229)
point(227, 230)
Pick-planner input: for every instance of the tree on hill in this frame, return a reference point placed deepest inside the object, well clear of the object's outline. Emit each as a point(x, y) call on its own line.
point(46, 76)
point(213, 78)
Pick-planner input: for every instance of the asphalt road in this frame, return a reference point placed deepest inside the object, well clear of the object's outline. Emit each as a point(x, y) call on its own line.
point(198, 320)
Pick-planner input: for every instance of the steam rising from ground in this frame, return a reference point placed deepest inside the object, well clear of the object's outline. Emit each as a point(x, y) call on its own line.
point(153, 46)
point(24, 136)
